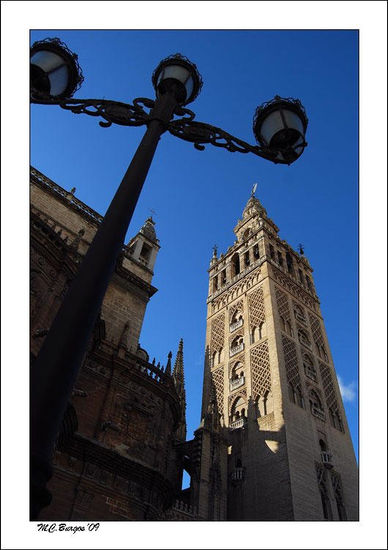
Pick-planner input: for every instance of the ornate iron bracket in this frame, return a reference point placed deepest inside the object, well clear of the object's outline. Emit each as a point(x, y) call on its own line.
point(200, 133)
point(124, 114)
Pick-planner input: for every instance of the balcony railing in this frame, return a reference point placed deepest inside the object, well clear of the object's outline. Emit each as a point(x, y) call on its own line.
point(236, 349)
point(235, 325)
point(236, 383)
point(237, 474)
point(238, 423)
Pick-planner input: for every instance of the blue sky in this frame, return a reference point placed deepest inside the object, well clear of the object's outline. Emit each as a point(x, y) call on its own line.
point(197, 196)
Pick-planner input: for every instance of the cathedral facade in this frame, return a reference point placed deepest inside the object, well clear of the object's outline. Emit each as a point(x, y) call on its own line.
point(273, 441)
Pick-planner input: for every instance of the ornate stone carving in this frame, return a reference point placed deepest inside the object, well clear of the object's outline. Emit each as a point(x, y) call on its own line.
point(261, 373)
point(217, 334)
point(218, 381)
point(294, 289)
point(256, 307)
point(283, 305)
point(291, 361)
point(238, 288)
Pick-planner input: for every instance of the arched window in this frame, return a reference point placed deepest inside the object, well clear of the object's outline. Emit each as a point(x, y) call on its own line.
point(322, 445)
point(237, 320)
point(247, 260)
point(316, 405)
point(280, 259)
point(247, 234)
point(237, 409)
point(237, 345)
point(256, 253)
point(299, 313)
point(264, 404)
point(215, 283)
point(236, 264)
point(237, 371)
point(289, 262)
point(220, 355)
point(309, 368)
point(257, 333)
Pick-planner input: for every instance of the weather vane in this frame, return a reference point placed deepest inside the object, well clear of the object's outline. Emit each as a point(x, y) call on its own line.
point(254, 189)
point(153, 213)
point(301, 249)
point(215, 250)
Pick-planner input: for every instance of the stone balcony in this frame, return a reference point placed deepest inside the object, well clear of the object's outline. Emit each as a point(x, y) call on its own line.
point(240, 423)
point(236, 325)
point(236, 383)
point(236, 349)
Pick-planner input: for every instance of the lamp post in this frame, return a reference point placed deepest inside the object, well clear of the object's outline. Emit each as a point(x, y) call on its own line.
point(279, 127)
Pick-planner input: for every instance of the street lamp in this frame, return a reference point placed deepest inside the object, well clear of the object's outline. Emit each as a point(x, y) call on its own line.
point(279, 126)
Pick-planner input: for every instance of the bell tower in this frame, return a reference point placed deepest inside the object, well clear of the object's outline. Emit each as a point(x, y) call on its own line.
point(268, 363)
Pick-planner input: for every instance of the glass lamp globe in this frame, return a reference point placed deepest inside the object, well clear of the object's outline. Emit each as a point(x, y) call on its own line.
point(280, 127)
point(54, 69)
point(177, 75)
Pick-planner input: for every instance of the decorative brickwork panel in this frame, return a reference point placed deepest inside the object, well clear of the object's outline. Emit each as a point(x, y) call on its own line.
point(236, 289)
point(235, 307)
point(218, 382)
point(291, 361)
point(217, 333)
point(328, 387)
point(316, 330)
point(283, 306)
point(260, 369)
point(256, 307)
point(293, 288)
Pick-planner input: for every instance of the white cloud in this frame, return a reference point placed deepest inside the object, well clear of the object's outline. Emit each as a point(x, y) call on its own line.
point(348, 391)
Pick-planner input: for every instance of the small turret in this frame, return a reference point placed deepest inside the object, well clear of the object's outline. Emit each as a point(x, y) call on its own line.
point(145, 246)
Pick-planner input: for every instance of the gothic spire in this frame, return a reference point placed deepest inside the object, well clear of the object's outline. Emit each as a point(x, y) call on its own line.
point(178, 373)
point(168, 366)
point(179, 381)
